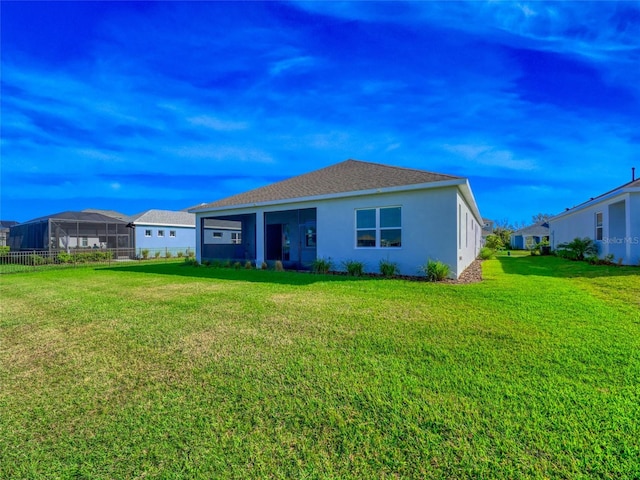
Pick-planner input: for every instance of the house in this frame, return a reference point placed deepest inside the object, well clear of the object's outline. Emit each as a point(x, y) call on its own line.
point(164, 231)
point(71, 230)
point(175, 231)
point(528, 237)
point(611, 219)
point(352, 210)
point(5, 228)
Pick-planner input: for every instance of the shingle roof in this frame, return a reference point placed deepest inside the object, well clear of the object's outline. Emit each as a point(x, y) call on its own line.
point(108, 213)
point(539, 229)
point(164, 217)
point(347, 176)
point(78, 216)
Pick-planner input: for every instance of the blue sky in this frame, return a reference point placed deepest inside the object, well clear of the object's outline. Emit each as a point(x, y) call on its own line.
point(137, 105)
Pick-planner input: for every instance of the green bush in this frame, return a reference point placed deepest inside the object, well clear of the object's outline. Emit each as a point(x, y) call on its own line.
point(264, 266)
point(388, 268)
point(248, 265)
point(180, 254)
point(321, 265)
point(64, 257)
point(353, 268)
point(435, 270)
point(278, 266)
point(485, 253)
point(578, 249)
point(156, 254)
point(145, 253)
point(168, 254)
point(237, 265)
point(494, 242)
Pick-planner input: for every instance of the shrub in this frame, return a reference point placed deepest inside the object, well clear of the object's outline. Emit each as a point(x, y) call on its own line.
point(578, 249)
point(353, 268)
point(237, 265)
point(388, 268)
point(485, 253)
point(264, 266)
point(190, 253)
point(180, 254)
point(168, 254)
point(321, 265)
point(248, 265)
point(435, 270)
point(145, 253)
point(278, 266)
point(36, 260)
point(226, 264)
point(4, 250)
point(64, 257)
point(156, 254)
point(191, 262)
point(207, 263)
point(494, 242)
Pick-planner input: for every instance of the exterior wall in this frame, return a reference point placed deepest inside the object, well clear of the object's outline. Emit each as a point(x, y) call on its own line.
point(469, 235)
point(620, 227)
point(185, 237)
point(430, 223)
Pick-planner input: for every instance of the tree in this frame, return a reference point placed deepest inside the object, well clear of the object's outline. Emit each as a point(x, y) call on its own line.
point(541, 217)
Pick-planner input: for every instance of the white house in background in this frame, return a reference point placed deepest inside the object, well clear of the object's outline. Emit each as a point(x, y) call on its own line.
point(352, 210)
point(611, 219)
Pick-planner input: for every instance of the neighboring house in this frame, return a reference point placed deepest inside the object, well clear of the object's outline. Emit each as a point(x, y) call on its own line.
point(5, 228)
point(528, 237)
point(159, 230)
point(611, 219)
point(174, 231)
point(71, 230)
point(352, 210)
point(487, 228)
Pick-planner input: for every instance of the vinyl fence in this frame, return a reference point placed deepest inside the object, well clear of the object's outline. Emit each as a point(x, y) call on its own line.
point(34, 260)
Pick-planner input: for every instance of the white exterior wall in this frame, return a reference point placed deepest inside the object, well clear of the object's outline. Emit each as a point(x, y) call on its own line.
point(429, 229)
point(621, 226)
point(469, 233)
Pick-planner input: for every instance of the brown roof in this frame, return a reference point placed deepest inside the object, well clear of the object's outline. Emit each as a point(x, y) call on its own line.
point(347, 176)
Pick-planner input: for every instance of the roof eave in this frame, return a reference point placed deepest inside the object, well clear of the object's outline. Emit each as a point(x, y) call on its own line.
point(595, 201)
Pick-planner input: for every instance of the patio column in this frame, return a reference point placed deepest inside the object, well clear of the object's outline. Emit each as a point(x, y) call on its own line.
point(259, 238)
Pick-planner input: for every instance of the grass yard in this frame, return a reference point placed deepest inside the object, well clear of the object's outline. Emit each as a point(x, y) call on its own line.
point(167, 371)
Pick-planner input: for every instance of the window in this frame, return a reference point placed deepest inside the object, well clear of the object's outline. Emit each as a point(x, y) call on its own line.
point(236, 238)
point(172, 233)
point(147, 233)
point(599, 226)
point(379, 227)
point(161, 233)
point(85, 242)
point(459, 226)
point(217, 234)
point(310, 236)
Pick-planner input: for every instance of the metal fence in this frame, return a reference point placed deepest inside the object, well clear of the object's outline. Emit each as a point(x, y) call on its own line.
point(33, 260)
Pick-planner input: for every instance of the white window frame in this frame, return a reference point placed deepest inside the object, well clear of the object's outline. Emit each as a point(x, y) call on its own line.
point(172, 234)
point(161, 233)
point(599, 226)
point(217, 234)
point(236, 238)
point(148, 233)
point(378, 229)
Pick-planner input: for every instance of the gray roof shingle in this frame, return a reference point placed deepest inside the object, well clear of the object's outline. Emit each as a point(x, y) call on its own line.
point(164, 217)
point(347, 176)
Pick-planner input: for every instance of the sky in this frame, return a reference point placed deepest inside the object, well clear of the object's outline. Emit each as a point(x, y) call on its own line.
point(129, 106)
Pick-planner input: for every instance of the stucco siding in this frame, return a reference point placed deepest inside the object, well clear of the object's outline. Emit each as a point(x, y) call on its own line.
point(620, 227)
point(185, 237)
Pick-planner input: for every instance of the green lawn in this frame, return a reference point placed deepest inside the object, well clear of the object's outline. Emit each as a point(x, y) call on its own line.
point(167, 371)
